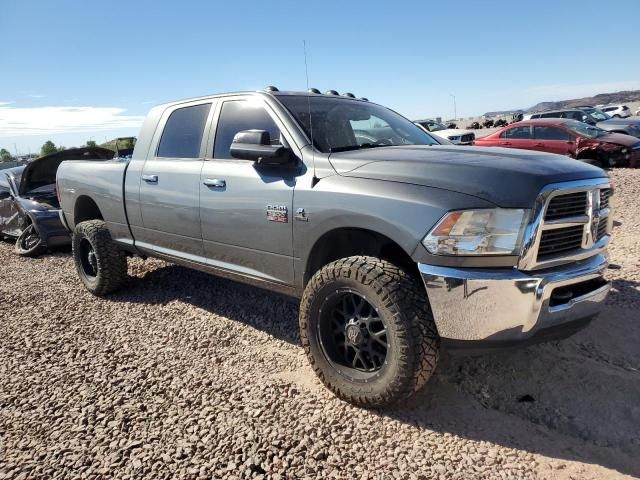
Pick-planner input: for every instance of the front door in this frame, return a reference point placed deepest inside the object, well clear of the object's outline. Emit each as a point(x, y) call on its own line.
point(552, 139)
point(245, 209)
point(517, 137)
point(170, 185)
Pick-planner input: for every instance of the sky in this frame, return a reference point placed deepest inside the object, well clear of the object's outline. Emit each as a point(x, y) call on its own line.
point(72, 70)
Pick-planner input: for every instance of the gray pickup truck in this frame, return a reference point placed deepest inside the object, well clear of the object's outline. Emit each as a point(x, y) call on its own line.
point(396, 245)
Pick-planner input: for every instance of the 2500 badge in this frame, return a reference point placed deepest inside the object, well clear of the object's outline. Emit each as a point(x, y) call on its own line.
point(278, 213)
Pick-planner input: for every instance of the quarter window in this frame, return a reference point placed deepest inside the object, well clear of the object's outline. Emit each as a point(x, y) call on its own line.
point(239, 115)
point(182, 135)
point(518, 133)
point(550, 133)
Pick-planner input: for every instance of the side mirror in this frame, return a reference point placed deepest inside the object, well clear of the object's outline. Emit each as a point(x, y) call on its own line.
point(256, 145)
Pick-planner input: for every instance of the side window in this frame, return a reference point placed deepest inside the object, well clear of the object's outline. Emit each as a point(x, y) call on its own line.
point(550, 133)
point(183, 132)
point(518, 133)
point(4, 192)
point(551, 115)
point(238, 115)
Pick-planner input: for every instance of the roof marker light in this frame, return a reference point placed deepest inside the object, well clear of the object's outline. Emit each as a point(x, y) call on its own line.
point(271, 88)
point(314, 90)
point(331, 92)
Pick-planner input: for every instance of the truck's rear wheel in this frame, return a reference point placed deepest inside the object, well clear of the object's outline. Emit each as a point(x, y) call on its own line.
point(101, 265)
point(367, 329)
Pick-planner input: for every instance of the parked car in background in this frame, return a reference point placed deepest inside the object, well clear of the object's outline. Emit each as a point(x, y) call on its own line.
point(438, 129)
point(29, 208)
point(594, 116)
point(568, 137)
point(616, 111)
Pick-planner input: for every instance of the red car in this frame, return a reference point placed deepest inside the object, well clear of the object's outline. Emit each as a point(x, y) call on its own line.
point(568, 137)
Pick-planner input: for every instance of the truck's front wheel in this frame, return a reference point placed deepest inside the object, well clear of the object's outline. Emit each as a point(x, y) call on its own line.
point(368, 332)
point(101, 265)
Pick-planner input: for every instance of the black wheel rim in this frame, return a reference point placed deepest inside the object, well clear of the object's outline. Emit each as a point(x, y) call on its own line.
point(88, 259)
point(352, 334)
point(30, 239)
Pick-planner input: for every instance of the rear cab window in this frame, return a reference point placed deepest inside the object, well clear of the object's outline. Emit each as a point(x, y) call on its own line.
point(183, 132)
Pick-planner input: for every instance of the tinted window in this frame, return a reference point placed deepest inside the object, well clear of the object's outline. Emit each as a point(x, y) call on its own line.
point(183, 132)
point(238, 115)
point(517, 133)
point(551, 115)
point(550, 133)
point(334, 119)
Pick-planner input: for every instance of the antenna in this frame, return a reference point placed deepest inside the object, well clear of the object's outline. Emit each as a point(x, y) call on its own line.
point(314, 179)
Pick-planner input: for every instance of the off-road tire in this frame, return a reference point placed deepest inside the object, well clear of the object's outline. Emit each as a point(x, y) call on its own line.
point(111, 261)
point(24, 250)
point(412, 335)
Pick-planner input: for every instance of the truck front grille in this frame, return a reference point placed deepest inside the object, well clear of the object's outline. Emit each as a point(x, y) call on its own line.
point(560, 240)
point(569, 205)
point(605, 193)
point(570, 223)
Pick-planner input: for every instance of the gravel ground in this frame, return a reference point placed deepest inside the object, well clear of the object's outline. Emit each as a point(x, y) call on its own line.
point(183, 375)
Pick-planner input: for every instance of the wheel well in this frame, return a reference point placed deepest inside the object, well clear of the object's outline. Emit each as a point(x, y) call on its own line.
point(86, 209)
point(347, 242)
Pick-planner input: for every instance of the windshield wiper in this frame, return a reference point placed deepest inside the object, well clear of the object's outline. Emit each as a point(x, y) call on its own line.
point(356, 147)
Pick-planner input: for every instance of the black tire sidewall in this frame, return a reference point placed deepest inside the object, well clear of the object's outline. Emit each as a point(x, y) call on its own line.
point(111, 262)
point(377, 384)
point(80, 234)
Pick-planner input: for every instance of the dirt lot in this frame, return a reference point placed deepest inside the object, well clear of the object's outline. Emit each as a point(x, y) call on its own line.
point(183, 375)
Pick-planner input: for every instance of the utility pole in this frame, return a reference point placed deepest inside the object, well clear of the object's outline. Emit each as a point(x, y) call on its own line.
point(455, 112)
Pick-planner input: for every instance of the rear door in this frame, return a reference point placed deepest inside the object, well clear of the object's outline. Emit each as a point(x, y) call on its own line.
point(517, 136)
point(246, 210)
point(170, 183)
point(8, 211)
point(552, 139)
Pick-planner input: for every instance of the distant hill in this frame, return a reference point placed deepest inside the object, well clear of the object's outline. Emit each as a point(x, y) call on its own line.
point(600, 99)
point(123, 143)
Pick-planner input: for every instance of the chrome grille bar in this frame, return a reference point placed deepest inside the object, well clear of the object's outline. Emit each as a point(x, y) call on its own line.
point(569, 229)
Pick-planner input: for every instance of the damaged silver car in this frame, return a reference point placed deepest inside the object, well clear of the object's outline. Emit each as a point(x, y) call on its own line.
point(29, 207)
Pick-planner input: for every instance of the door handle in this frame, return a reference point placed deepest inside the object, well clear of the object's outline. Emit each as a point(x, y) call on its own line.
point(150, 178)
point(506, 143)
point(215, 183)
point(538, 145)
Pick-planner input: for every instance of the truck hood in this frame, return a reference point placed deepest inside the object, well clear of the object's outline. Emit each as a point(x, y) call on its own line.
point(506, 177)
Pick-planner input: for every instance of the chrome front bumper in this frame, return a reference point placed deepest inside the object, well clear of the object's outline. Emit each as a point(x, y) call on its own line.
point(510, 305)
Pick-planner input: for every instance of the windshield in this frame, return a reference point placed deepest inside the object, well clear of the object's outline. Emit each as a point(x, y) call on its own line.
point(585, 130)
point(433, 126)
point(340, 124)
point(597, 114)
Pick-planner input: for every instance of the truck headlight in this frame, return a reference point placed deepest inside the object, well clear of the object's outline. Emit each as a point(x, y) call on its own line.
point(496, 231)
